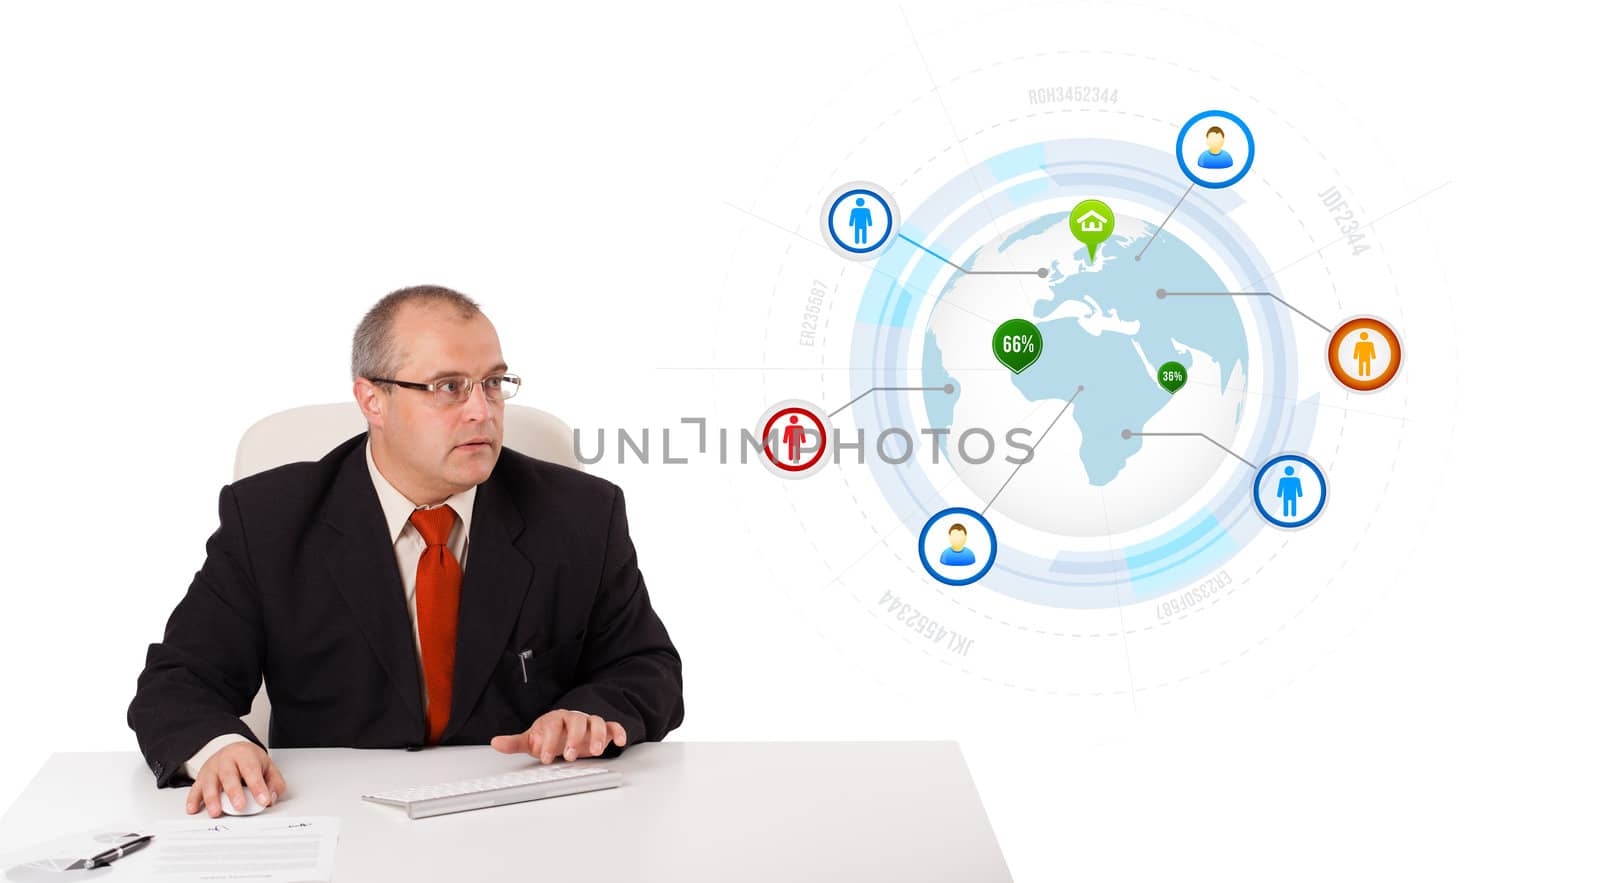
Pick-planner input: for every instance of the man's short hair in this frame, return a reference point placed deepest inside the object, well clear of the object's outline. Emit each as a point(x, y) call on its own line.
point(955, 527)
point(1218, 130)
point(373, 352)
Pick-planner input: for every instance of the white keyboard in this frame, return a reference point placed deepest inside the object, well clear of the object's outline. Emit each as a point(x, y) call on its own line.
point(536, 783)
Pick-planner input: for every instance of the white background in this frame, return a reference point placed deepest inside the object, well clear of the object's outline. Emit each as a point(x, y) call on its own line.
point(197, 203)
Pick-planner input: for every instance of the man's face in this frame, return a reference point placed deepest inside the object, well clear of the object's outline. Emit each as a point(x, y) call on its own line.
point(958, 538)
point(1214, 142)
point(424, 448)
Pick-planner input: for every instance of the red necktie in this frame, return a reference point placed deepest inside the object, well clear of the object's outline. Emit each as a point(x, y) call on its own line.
point(438, 600)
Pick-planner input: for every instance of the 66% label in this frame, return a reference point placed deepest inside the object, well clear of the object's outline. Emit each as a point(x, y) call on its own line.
point(1017, 344)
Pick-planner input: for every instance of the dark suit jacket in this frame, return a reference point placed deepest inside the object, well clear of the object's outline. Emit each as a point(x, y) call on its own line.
point(300, 584)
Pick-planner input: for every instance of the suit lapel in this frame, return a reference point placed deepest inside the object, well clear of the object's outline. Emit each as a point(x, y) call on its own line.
point(493, 586)
point(362, 564)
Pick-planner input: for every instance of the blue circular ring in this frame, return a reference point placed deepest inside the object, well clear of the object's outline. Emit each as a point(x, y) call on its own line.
point(880, 344)
point(1255, 491)
point(1249, 140)
point(922, 546)
point(888, 226)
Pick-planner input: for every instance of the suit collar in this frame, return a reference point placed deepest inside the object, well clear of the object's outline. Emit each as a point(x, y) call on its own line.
point(493, 587)
point(362, 564)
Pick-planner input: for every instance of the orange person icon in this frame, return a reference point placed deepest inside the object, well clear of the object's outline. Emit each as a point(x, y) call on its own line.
point(1366, 350)
point(1370, 346)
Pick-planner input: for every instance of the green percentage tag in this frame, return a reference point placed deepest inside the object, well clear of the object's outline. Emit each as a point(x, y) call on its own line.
point(1091, 223)
point(1172, 376)
point(1017, 344)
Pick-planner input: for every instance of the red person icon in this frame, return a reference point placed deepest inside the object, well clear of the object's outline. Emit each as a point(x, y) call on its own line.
point(794, 436)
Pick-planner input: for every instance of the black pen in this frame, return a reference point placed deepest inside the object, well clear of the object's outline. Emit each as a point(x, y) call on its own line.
point(116, 852)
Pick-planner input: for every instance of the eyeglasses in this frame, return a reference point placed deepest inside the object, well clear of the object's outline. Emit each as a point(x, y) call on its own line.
point(455, 390)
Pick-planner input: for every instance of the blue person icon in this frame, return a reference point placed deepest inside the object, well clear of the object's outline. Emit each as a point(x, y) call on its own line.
point(957, 554)
point(869, 213)
point(1285, 481)
point(860, 220)
point(1290, 491)
point(1214, 157)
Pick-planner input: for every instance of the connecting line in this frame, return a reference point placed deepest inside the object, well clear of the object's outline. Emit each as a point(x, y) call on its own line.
point(1046, 432)
point(1140, 255)
point(1128, 433)
point(1042, 272)
point(1163, 293)
point(947, 388)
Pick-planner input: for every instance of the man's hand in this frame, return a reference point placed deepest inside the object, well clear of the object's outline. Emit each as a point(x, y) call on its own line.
point(232, 769)
point(570, 734)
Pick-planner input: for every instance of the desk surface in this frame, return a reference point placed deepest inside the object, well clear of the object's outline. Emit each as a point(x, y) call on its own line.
point(701, 811)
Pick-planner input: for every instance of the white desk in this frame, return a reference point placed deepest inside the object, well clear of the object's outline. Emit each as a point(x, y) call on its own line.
point(700, 811)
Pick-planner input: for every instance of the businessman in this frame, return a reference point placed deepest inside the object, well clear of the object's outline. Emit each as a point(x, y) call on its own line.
point(418, 585)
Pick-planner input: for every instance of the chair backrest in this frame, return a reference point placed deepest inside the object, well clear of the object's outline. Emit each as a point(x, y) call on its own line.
point(308, 432)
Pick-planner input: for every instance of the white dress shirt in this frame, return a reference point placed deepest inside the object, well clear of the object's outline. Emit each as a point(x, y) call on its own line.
point(408, 548)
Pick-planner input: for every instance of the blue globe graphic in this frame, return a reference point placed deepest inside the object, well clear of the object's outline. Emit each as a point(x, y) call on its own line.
point(1103, 327)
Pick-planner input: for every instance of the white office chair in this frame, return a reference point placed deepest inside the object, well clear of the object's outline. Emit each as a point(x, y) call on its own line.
point(308, 433)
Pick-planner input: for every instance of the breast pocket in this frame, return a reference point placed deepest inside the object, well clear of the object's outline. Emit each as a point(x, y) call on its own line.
point(536, 677)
